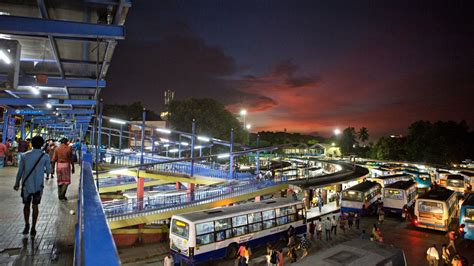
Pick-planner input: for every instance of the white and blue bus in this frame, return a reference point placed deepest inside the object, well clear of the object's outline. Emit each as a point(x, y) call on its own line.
point(466, 218)
point(399, 195)
point(216, 233)
point(436, 209)
point(361, 197)
point(390, 179)
point(456, 183)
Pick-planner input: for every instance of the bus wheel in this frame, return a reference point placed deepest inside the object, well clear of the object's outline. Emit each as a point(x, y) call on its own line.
point(232, 250)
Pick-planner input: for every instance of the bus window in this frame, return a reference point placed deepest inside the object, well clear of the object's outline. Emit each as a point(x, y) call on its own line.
point(291, 209)
point(469, 215)
point(455, 182)
point(222, 224)
point(352, 196)
point(255, 227)
point(180, 228)
point(281, 211)
point(270, 214)
point(268, 224)
point(204, 239)
point(204, 228)
point(282, 220)
point(393, 194)
point(242, 230)
point(255, 217)
point(239, 220)
point(430, 207)
point(222, 235)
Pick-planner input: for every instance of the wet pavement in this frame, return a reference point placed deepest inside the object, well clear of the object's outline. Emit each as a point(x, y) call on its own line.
point(54, 242)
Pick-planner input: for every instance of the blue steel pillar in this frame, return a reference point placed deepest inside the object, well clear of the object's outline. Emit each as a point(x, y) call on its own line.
point(32, 127)
point(22, 135)
point(120, 141)
point(143, 136)
point(5, 125)
point(99, 140)
point(192, 146)
point(231, 157)
point(257, 158)
point(152, 142)
point(93, 131)
point(179, 147)
point(110, 138)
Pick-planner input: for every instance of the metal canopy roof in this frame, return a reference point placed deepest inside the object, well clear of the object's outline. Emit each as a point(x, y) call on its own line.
point(69, 41)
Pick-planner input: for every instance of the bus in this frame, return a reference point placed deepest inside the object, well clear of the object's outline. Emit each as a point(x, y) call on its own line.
point(441, 175)
point(466, 218)
point(399, 195)
point(216, 233)
point(436, 209)
point(361, 197)
point(423, 179)
point(469, 178)
point(389, 179)
point(456, 183)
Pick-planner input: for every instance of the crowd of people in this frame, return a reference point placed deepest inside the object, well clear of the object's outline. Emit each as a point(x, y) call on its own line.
point(38, 160)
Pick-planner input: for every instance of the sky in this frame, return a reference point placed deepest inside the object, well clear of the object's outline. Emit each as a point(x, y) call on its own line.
point(302, 66)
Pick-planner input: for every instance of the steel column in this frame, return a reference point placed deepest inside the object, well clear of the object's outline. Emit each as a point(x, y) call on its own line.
point(231, 157)
point(257, 158)
point(143, 136)
point(193, 136)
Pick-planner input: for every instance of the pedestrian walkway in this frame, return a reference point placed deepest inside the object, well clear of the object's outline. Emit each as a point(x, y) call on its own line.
point(328, 208)
point(54, 242)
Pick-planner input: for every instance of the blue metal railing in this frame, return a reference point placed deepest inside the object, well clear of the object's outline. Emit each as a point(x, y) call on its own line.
point(94, 243)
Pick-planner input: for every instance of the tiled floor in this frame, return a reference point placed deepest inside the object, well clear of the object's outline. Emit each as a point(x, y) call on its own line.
point(54, 242)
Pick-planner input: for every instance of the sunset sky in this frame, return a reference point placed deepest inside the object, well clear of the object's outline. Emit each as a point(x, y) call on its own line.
point(304, 66)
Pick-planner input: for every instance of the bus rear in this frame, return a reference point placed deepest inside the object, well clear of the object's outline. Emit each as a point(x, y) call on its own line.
point(431, 214)
point(456, 183)
point(352, 201)
point(180, 240)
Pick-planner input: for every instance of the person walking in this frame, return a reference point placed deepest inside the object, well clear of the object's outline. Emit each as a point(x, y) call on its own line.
point(3, 152)
point(445, 254)
point(312, 228)
point(280, 257)
point(357, 220)
point(292, 255)
point(305, 245)
point(319, 229)
point(50, 151)
point(64, 167)
point(327, 227)
point(350, 220)
point(451, 236)
point(432, 256)
point(320, 203)
point(334, 225)
point(381, 216)
point(33, 165)
point(363, 235)
point(273, 258)
point(168, 260)
point(342, 223)
point(177, 258)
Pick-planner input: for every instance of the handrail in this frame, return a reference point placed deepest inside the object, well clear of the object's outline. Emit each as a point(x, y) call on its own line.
point(94, 241)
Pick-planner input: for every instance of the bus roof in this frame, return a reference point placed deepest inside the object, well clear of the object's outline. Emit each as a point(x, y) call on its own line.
point(364, 186)
point(415, 172)
point(391, 176)
point(469, 201)
point(467, 173)
point(402, 184)
point(458, 177)
point(440, 193)
point(222, 211)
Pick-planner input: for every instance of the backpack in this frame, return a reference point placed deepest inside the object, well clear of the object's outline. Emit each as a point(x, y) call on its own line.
point(274, 258)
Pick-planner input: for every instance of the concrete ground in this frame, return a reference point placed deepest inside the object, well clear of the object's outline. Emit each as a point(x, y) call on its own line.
point(54, 242)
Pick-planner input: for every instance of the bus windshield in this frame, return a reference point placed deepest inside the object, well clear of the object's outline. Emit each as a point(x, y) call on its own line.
point(430, 207)
point(393, 194)
point(352, 195)
point(455, 183)
point(180, 228)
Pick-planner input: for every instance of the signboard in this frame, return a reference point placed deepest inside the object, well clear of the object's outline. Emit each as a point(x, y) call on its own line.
point(28, 112)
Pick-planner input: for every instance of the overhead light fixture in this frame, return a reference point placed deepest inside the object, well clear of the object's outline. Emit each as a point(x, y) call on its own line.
point(31, 106)
point(163, 130)
point(224, 155)
point(49, 106)
point(202, 138)
point(164, 140)
point(49, 95)
point(35, 90)
point(166, 145)
point(117, 121)
point(173, 150)
point(198, 147)
point(184, 143)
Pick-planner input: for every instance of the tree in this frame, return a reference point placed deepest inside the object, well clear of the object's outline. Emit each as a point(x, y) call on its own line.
point(363, 134)
point(212, 119)
point(348, 140)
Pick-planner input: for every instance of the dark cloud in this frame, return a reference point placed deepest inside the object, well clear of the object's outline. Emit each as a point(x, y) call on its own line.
point(285, 67)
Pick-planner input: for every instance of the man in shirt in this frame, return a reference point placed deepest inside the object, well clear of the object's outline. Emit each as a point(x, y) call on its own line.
point(62, 159)
point(3, 151)
point(319, 229)
point(32, 178)
point(334, 224)
point(432, 256)
point(327, 227)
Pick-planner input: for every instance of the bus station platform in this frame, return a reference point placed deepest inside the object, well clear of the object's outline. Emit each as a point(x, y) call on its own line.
point(54, 242)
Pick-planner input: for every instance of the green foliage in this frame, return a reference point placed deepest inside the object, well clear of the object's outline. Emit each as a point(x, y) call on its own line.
point(438, 143)
point(212, 119)
point(363, 134)
point(131, 112)
point(348, 141)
